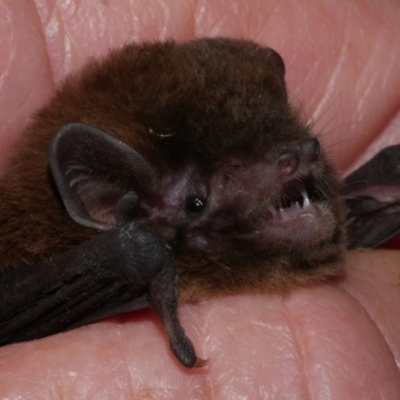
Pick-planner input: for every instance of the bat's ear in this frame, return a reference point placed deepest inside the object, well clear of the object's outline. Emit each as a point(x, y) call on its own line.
point(372, 196)
point(97, 175)
point(278, 62)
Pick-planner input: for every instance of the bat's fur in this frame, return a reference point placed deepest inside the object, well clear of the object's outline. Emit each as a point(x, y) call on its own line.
point(203, 100)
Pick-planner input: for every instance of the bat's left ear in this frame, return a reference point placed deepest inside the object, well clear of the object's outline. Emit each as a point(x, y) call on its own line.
point(372, 197)
point(97, 175)
point(277, 60)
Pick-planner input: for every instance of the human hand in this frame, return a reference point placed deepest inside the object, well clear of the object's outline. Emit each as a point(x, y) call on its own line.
point(340, 341)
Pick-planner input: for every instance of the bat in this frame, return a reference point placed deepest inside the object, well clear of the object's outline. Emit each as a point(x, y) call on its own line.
point(168, 166)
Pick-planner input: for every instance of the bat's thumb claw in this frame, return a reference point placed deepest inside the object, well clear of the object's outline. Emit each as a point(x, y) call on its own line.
point(200, 363)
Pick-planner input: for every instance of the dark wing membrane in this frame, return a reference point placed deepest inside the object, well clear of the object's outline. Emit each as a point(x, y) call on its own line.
point(372, 197)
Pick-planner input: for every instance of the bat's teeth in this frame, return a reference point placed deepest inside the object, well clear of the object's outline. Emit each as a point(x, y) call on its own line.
point(273, 211)
point(283, 214)
point(297, 205)
point(306, 199)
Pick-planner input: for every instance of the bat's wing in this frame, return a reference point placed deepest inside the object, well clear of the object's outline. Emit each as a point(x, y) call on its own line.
point(372, 196)
point(121, 270)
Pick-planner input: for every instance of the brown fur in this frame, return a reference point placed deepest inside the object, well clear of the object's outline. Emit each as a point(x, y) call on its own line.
point(204, 99)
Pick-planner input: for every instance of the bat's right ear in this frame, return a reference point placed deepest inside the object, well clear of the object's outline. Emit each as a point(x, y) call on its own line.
point(96, 174)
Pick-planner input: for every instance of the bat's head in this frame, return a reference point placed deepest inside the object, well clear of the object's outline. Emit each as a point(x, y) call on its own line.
point(285, 199)
point(215, 159)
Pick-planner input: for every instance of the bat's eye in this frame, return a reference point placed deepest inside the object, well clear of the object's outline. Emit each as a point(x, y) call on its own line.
point(194, 205)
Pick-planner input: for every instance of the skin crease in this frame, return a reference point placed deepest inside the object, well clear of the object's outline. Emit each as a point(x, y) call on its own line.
point(337, 341)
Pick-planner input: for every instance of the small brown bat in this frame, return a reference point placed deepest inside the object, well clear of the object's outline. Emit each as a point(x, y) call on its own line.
point(185, 154)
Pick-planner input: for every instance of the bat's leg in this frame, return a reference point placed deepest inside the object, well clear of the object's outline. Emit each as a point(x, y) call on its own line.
point(118, 271)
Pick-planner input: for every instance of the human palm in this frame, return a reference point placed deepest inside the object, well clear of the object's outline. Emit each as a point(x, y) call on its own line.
point(329, 341)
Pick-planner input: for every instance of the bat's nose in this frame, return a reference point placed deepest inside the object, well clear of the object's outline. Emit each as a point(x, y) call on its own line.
point(305, 153)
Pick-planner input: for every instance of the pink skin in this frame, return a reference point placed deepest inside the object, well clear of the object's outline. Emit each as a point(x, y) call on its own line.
point(326, 342)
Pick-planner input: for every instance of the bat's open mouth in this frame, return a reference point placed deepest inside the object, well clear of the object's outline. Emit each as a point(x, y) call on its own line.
point(299, 215)
point(297, 200)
